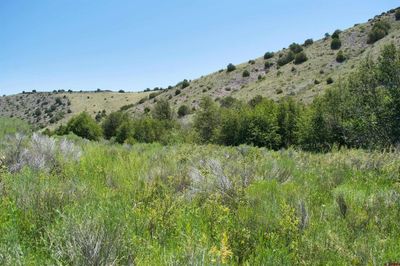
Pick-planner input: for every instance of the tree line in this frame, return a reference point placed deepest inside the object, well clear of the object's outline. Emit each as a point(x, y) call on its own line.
point(362, 111)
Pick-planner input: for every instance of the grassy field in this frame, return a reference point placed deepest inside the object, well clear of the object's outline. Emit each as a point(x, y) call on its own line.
point(73, 202)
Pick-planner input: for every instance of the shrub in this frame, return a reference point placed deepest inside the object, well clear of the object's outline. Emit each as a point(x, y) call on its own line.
point(252, 62)
point(287, 58)
point(268, 55)
point(177, 92)
point(378, 31)
point(268, 64)
point(143, 100)
point(231, 67)
point(397, 14)
point(37, 112)
point(121, 91)
point(162, 110)
point(153, 95)
point(308, 42)
point(207, 119)
point(336, 43)
point(340, 57)
point(246, 73)
point(185, 83)
point(183, 110)
point(58, 101)
point(83, 125)
point(329, 80)
point(295, 48)
point(336, 34)
point(111, 124)
point(300, 58)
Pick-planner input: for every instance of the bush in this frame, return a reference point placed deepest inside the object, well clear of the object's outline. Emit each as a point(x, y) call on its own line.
point(231, 67)
point(329, 80)
point(397, 14)
point(336, 34)
point(340, 57)
point(246, 73)
point(378, 31)
point(268, 64)
point(300, 58)
point(177, 92)
point(183, 110)
point(162, 110)
point(308, 42)
point(295, 48)
point(83, 125)
point(185, 83)
point(112, 123)
point(268, 55)
point(336, 44)
point(287, 58)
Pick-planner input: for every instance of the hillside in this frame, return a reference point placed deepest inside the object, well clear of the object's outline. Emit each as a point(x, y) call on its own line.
point(302, 81)
point(52, 108)
point(260, 76)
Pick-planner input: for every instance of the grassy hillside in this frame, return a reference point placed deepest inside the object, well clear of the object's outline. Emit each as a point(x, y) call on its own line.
point(91, 203)
point(43, 109)
point(302, 81)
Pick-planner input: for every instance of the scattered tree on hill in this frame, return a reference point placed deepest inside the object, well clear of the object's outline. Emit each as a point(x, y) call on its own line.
point(378, 31)
point(268, 55)
point(246, 73)
point(83, 125)
point(162, 110)
point(231, 67)
point(183, 110)
point(340, 57)
point(336, 44)
point(300, 58)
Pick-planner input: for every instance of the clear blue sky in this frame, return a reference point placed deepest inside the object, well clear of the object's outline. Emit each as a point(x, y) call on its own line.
point(132, 45)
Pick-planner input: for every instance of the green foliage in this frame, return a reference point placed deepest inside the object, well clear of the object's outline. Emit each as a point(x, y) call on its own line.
point(207, 119)
point(340, 57)
point(378, 31)
point(397, 14)
point(162, 110)
point(308, 42)
point(246, 73)
point(231, 67)
point(329, 80)
point(300, 58)
point(295, 48)
point(336, 43)
point(177, 92)
point(83, 125)
point(185, 83)
point(268, 55)
point(285, 59)
point(336, 34)
point(10, 126)
point(112, 122)
point(183, 110)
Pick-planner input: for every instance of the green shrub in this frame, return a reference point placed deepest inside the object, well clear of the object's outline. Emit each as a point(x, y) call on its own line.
point(397, 14)
point(329, 80)
point(308, 42)
point(268, 64)
point(378, 31)
point(340, 57)
point(336, 34)
point(177, 92)
point(268, 55)
point(231, 67)
point(300, 58)
point(83, 125)
point(295, 48)
point(162, 110)
point(246, 73)
point(185, 83)
point(336, 44)
point(183, 110)
point(287, 58)
point(112, 123)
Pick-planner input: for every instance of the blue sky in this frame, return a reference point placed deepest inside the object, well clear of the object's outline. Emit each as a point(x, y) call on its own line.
point(132, 45)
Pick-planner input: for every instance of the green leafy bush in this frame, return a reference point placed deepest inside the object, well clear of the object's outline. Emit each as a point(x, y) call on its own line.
point(397, 14)
point(378, 31)
point(285, 59)
point(183, 110)
point(336, 34)
point(268, 55)
point(295, 48)
point(231, 67)
point(83, 125)
point(340, 57)
point(308, 42)
point(246, 74)
point(300, 58)
point(112, 123)
point(336, 43)
point(162, 110)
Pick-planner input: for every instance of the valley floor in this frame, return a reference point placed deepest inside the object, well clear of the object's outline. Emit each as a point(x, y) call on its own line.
point(84, 203)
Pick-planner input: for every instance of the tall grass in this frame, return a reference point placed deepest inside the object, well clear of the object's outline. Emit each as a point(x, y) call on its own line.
point(149, 204)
